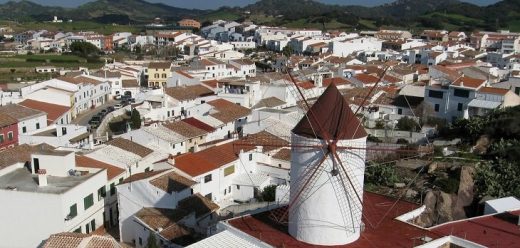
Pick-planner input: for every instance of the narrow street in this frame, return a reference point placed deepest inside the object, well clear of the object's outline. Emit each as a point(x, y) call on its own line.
point(84, 117)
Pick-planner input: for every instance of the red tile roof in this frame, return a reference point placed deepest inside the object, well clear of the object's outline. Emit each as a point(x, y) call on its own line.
point(491, 90)
point(141, 176)
point(228, 111)
point(468, 82)
point(199, 124)
point(54, 111)
point(306, 85)
point(366, 78)
point(211, 83)
point(195, 164)
point(378, 210)
point(112, 171)
point(499, 230)
point(335, 80)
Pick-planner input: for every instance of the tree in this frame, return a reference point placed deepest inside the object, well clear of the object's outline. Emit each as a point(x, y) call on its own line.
point(135, 119)
point(498, 178)
point(84, 49)
point(383, 174)
point(269, 193)
point(407, 124)
point(152, 241)
point(13, 70)
point(287, 51)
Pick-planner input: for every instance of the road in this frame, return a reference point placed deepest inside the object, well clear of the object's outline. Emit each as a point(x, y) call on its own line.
point(85, 117)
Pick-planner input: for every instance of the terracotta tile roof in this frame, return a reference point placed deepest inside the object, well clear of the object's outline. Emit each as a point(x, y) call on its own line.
point(306, 85)
point(159, 65)
point(228, 111)
point(80, 80)
point(112, 171)
point(498, 230)
point(183, 73)
point(130, 83)
point(184, 93)
point(283, 154)
point(19, 112)
point(165, 219)
point(65, 240)
point(80, 240)
point(195, 164)
point(468, 82)
point(107, 74)
point(268, 141)
point(130, 146)
point(54, 111)
point(491, 90)
point(366, 78)
point(199, 124)
point(269, 102)
point(450, 74)
point(198, 204)
point(356, 95)
point(333, 114)
point(141, 176)
point(185, 129)
point(6, 120)
point(211, 83)
point(172, 182)
point(335, 80)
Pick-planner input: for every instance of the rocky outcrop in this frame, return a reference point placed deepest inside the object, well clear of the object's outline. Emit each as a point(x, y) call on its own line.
point(443, 207)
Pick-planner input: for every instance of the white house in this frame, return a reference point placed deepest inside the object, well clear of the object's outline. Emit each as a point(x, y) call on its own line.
point(66, 192)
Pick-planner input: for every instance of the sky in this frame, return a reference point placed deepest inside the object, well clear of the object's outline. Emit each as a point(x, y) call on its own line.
point(213, 4)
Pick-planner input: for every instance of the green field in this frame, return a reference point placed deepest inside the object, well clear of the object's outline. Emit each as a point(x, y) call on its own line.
point(73, 27)
point(28, 62)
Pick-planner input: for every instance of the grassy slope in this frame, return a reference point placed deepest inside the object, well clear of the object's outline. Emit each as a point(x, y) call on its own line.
point(75, 26)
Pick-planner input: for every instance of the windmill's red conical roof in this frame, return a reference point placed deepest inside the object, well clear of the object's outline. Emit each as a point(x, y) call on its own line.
point(333, 114)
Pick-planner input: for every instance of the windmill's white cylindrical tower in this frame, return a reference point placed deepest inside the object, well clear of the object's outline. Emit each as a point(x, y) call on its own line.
point(327, 210)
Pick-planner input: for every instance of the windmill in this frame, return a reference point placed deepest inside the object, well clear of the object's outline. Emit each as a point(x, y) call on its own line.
point(328, 156)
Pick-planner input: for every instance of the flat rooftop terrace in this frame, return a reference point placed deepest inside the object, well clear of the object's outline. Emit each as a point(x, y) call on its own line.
point(23, 180)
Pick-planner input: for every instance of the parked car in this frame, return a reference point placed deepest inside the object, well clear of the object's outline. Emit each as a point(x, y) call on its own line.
point(118, 106)
point(132, 100)
point(110, 109)
point(117, 97)
point(104, 112)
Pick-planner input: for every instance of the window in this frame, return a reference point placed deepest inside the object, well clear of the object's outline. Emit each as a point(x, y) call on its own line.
point(93, 224)
point(461, 93)
point(88, 201)
point(164, 75)
point(102, 192)
point(121, 179)
point(147, 169)
point(238, 187)
point(250, 157)
point(1, 138)
point(517, 90)
point(112, 189)
point(10, 136)
point(64, 130)
point(78, 230)
point(87, 229)
point(140, 241)
point(435, 94)
point(207, 178)
point(229, 170)
point(73, 211)
point(459, 106)
point(37, 125)
point(24, 129)
point(229, 189)
point(437, 107)
point(399, 111)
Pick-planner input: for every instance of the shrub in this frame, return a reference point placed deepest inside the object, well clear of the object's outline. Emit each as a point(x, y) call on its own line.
point(269, 193)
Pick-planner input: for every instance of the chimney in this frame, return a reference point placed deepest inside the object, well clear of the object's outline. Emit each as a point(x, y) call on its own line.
point(42, 177)
point(171, 159)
